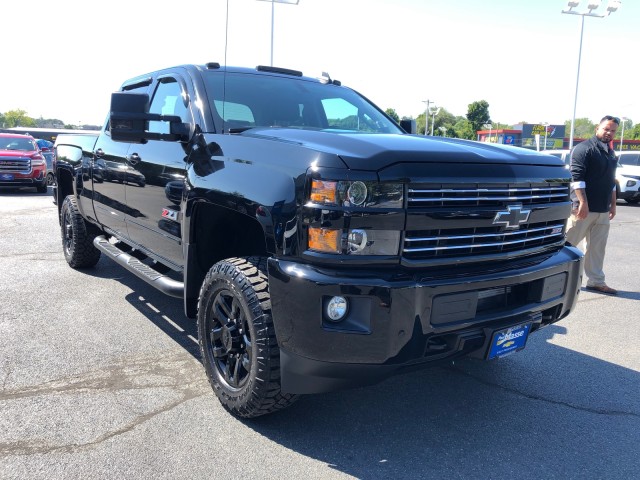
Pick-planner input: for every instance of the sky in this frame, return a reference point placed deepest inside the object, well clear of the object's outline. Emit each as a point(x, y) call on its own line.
point(521, 56)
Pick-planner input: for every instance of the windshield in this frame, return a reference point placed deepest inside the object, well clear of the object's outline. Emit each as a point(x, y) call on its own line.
point(22, 144)
point(248, 101)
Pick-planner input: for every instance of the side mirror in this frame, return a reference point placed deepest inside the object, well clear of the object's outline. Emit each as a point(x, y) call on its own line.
point(127, 117)
point(408, 125)
point(129, 120)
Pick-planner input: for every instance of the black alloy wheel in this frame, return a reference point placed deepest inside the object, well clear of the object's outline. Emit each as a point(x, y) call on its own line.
point(237, 340)
point(230, 339)
point(77, 240)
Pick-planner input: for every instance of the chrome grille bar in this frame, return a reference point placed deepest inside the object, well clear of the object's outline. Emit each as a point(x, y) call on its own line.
point(422, 196)
point(523, 241)
point(484, 235)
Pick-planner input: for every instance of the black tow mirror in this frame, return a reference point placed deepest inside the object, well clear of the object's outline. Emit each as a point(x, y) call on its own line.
point(408, 125)
point(129, 120)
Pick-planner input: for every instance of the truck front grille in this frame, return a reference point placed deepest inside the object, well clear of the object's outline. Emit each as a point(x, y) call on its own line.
point(459, 223)
point(15, 164)
point(454, 243)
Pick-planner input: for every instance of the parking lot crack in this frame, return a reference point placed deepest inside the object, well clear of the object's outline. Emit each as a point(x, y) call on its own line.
point(179, 373)
point(188, 392)
point(136, 374)
point(593, 410)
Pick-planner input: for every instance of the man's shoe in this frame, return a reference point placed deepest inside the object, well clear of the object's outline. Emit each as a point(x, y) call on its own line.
point(602, 289)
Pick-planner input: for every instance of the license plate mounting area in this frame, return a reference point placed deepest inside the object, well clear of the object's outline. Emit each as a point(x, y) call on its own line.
point(508, 340)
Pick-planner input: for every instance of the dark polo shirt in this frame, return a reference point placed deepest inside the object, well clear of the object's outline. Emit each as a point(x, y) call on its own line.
point(593, 165)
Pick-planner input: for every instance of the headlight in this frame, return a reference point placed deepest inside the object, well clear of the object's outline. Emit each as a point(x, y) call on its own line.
point(357, 194)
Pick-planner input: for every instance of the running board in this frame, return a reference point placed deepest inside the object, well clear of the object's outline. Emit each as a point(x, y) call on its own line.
point(154, 278)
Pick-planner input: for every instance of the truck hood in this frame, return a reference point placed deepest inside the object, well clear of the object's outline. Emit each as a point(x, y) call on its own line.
point(363, 151)
point(16, 153)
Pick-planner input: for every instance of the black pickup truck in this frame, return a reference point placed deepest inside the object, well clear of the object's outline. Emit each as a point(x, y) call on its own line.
point(319, 245)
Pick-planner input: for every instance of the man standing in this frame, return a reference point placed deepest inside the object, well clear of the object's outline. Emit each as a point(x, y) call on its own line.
point(593, 193)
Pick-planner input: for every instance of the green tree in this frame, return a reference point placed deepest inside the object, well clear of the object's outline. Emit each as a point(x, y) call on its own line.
point(18, 118)
point(392, 113)
point(444, 120)
point(478, 115)
point(49, 123)
point(584, 128)
point(628, 129)
point(634, 133)
point(464, 129)
point(420, 124)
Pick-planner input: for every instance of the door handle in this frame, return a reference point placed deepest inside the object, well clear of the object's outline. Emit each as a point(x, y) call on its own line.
point(134, 158)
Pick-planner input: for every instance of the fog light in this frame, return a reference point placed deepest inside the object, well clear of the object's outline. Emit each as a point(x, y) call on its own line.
point(337, 308)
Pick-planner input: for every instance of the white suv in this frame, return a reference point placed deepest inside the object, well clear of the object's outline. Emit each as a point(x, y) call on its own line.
point(628, 176)
point(561, 154)
point(627, 173)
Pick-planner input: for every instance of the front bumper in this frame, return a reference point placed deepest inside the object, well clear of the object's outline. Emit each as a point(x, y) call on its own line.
point(629, 195)
point(395, 323)
point(17, 179)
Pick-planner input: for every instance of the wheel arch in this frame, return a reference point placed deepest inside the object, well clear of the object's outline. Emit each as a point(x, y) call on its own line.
point(213, 234)
point(64, 180)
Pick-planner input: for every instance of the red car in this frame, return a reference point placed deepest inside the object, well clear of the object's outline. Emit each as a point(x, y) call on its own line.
point(21, 162)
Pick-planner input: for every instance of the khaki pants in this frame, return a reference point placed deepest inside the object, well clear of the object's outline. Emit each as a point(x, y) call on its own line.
point(594, 230)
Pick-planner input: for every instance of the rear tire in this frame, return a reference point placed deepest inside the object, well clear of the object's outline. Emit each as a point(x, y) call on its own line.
point(237, 340)
point(77, 236)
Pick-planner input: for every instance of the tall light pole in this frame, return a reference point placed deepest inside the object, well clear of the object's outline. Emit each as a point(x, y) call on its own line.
point(435, 111)
point(622, 119)
point(591, 6)
point(546, 128)
point(426, 117)
point(273, 2)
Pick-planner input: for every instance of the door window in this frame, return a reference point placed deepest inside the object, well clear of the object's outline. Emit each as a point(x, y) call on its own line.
point(168, 99)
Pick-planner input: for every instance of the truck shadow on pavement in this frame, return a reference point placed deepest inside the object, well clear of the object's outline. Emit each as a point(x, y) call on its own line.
point(167, 313)
point(621, 294)
point(547, 411)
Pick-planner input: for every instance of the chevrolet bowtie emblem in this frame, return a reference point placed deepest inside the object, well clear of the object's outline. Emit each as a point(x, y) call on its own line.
point(512, 217)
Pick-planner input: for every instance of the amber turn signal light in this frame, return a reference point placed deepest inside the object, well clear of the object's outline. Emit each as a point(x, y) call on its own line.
point(323, 192)
point(324, 240)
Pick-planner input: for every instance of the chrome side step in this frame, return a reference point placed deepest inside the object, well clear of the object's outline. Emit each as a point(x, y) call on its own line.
point(154, 278)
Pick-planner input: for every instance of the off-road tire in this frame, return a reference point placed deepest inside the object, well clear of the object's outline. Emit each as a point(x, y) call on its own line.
point(237, 338)
point(77, 236)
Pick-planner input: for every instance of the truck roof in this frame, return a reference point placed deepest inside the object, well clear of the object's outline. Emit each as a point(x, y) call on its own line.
point(258, 70)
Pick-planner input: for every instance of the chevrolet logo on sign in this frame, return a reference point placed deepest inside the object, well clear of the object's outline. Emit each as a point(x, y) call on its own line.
point(512, 217)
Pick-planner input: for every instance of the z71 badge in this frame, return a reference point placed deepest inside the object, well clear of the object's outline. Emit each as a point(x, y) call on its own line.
point(170, 214)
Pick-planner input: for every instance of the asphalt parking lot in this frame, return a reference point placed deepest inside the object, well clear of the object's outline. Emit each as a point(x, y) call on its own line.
point(101, 378)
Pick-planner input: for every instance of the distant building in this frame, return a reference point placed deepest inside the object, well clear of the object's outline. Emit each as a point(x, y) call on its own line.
point(47, 133)
point(541, 137)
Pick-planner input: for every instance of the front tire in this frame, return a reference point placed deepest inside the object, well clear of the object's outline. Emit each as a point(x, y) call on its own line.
point(77, 239)
point(237, 339)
